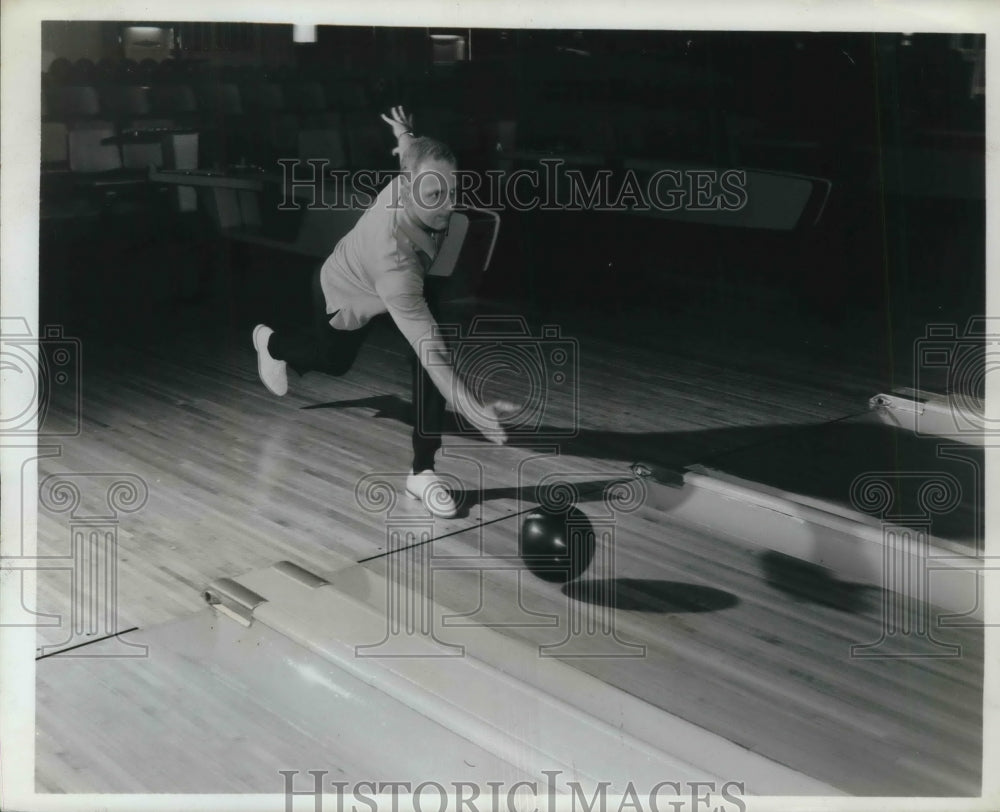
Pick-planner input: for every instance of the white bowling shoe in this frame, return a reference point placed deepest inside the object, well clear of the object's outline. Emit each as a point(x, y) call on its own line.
point(430, 489)
point(273, 373)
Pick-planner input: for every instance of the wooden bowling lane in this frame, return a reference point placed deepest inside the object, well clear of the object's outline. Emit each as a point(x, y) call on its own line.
point(300, 669)
point(216, 707)
point(237, 477)
point(705, 630)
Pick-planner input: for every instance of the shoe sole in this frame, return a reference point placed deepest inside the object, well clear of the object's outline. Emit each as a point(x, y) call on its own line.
point(257, 332)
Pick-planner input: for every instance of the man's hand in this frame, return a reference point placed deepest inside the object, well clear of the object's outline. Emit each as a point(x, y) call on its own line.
point(401, 124)
point(486, 418)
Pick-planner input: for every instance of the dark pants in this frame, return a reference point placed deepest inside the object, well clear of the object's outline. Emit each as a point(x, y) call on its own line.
point(319, 347)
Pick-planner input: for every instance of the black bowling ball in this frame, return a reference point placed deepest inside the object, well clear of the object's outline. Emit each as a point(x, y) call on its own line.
point(557, 545)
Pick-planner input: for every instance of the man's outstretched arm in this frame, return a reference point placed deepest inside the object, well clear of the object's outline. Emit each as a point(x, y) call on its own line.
point(409, 310)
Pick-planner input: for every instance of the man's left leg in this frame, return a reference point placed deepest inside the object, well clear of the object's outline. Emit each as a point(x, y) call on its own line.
point(428, 424)
point(428, 419)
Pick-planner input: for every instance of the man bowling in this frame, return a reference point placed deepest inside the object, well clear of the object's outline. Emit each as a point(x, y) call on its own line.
point(379, 267)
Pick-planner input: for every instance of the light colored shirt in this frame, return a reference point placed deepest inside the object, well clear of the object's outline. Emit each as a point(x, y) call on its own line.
point(379, 267)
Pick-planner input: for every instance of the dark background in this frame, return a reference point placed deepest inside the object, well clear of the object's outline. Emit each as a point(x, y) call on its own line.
point(894, 121)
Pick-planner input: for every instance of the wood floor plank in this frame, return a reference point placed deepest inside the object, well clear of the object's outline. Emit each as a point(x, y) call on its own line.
point(239, 479)
point(775, 674)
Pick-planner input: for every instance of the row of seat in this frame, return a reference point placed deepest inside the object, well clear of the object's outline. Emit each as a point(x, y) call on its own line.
point(71, 102)
point(95, 165)
point(84, 71)
point(271, 129)
point(349, 140)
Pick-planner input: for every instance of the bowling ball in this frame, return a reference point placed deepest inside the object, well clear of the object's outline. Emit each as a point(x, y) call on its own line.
point(557, 545)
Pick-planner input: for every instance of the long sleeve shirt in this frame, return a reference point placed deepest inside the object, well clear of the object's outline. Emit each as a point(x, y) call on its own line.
point(379, 267)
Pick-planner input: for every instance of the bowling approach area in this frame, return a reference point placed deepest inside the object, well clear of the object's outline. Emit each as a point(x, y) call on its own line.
point(282, 607)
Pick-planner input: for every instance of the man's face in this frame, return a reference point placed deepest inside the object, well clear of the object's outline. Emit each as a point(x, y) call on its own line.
point(431, 196)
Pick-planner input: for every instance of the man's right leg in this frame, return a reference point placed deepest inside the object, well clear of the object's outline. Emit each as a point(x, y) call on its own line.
point(298, 348)
point(314, 346)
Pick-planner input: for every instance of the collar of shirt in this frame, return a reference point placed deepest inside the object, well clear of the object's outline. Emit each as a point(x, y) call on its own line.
point(423, 241)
